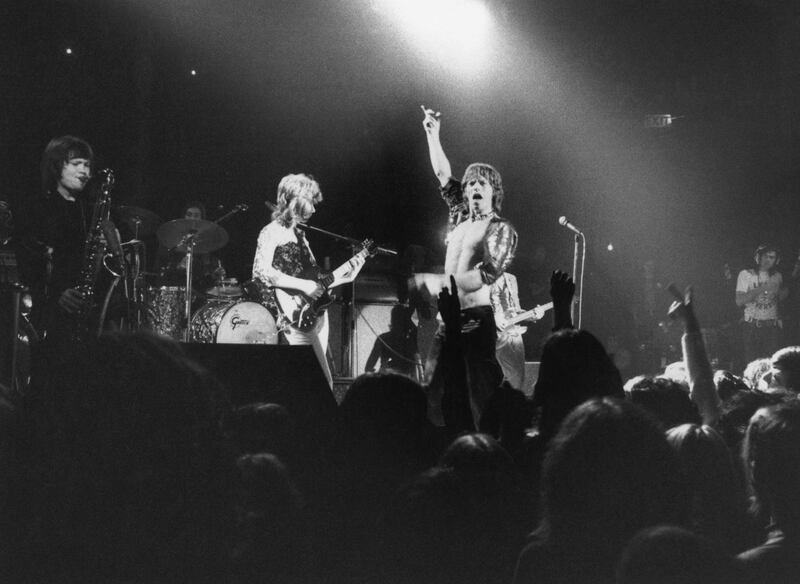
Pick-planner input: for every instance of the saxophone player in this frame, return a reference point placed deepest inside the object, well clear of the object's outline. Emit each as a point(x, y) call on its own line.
point(51, 258)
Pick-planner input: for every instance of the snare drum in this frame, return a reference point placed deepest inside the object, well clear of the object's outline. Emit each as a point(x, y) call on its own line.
point(165, 310)
point(234, 322)
point(227, 288)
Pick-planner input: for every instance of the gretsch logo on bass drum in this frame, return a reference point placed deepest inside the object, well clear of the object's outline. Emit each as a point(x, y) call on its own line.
point(236, 321)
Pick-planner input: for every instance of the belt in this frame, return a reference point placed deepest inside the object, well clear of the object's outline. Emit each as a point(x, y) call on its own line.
point(759, 323)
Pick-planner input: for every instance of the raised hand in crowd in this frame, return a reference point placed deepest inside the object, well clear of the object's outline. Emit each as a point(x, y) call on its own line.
point(562, 291)
point(682, 308)
point(450, 309)
point(701, 377)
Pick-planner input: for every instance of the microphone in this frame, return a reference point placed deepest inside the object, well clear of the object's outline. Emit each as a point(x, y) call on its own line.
point(563, 221)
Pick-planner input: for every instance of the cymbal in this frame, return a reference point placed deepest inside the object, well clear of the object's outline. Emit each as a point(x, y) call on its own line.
point(141, 222)
point(207, 235)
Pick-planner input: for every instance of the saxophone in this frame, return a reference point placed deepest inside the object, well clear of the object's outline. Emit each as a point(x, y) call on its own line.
point(94, 251)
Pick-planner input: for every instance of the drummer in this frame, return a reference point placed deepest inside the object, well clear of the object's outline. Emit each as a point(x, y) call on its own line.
point(207, 269)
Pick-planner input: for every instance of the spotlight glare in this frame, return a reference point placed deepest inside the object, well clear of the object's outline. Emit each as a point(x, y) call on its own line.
point(452, 32)
point(610, 247)
point(193, 72)
point(68, 51)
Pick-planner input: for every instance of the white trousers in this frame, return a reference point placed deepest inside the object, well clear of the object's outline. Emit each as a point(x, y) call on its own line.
point(318, 339)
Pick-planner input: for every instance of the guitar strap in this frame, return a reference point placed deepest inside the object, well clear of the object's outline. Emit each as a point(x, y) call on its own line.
point(308, 256)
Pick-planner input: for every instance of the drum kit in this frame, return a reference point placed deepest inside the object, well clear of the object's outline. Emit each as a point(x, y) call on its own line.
point(225, 316)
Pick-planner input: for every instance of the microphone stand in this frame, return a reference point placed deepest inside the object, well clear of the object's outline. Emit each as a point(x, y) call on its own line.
point(349, 240)
point(580, 246)
point(351, 316)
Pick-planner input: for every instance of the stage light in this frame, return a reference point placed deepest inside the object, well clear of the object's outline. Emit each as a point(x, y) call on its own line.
point(610, 247)
point(454, 33)
point(193, 72)
point(68, 51)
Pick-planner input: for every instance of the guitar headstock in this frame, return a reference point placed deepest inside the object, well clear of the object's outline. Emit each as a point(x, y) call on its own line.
point(368, 246)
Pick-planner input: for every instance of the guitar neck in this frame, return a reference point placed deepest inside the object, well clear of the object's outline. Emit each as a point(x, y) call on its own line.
point(529, 313)
point(342, 270)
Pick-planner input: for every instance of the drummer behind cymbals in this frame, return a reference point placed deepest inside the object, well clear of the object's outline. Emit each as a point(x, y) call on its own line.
point(207, 268)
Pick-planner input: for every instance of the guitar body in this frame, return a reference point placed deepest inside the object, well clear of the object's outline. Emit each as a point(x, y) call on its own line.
point(301, 312)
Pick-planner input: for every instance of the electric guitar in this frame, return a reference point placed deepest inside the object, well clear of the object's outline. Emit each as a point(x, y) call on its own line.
point(302, 312)
point(533, 314)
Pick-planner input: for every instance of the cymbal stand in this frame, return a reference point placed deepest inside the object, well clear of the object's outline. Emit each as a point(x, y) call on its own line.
point(189, 241)
point(137, 259)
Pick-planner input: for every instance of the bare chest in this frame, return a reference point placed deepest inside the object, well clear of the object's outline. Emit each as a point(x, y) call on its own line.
point(465, 243)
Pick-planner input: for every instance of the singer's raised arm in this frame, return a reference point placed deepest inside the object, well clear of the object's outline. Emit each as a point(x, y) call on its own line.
point(439, 162)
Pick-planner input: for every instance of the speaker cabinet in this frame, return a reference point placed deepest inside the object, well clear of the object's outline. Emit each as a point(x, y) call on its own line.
point(372, 319)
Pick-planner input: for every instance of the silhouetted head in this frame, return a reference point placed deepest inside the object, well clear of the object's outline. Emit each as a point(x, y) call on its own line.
point(755, 371)
point(727, 384)
point(666, 399)
point(476, 453)
point(771, 457)
point(574, 368)
point(609, 472)
point(667, 554)
point(785, 369)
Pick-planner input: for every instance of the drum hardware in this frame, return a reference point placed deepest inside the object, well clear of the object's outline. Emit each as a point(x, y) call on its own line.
point(203, 236)
point(237, 209)
point(191, 236)
point(226, 288)
point(141, 222)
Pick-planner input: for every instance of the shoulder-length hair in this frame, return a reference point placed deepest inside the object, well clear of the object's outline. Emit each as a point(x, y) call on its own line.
point(57, 153)
point(491, 174)
point(771, 458)
point(296, 194)
point(609, 472)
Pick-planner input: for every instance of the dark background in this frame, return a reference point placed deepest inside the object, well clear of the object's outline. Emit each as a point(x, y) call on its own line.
point(333, 88)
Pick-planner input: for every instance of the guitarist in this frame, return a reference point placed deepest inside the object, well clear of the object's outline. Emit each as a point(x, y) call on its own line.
point(510, 348)
point(284, 260)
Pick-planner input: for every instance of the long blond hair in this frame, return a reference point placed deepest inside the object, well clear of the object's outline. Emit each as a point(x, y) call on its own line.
point(296, 194)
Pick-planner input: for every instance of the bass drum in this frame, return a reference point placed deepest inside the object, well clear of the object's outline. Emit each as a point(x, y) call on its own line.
point(234, 322)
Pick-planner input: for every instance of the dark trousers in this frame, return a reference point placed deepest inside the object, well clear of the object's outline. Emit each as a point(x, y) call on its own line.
point(760, 338)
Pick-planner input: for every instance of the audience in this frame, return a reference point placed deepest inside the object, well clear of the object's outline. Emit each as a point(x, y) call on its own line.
point(124, 461)
point(609, 472)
